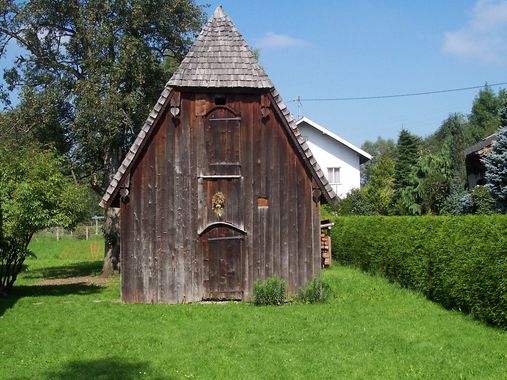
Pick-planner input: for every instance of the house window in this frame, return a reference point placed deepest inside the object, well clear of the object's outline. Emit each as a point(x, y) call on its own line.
point(333, 176)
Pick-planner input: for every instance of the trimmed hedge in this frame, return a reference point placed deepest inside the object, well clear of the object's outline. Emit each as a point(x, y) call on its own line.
point(459, 262)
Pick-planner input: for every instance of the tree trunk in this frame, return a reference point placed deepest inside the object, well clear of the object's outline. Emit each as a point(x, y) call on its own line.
point(111, 242)
point(112, 220)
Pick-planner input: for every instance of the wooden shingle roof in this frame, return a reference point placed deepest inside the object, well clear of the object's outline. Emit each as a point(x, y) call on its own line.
point(481, 147)
point(220, 58)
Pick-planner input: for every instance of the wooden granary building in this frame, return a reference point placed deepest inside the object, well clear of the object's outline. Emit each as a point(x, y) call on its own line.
point(219, 188)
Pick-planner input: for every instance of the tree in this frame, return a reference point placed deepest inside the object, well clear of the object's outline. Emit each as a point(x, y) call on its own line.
point(407, 154)
point(496, 166)
point(34, 194)
point(485, 116)
point(378, 149)
point(377, 175)
point(450, 137)
point(356, 203)
point(101, 64)
point(427, 186)
point(380, 186)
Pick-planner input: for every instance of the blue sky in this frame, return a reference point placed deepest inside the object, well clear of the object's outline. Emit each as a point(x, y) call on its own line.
point(329, 49)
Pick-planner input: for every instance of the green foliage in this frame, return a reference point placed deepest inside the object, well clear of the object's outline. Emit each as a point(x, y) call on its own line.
point(459, 201)
point(459, 262)
point(449, 140)
point(13, 252)
point(80, 232)
point(456, 148)
point(496, 168)
point(273, 291)
point(377, 175)
point(315, 291)
point(89, 71)
point(484, 119)
point(408, 151)
point(482, 201)
point(357, 202)
point(380, 147)
point(34, 194)
point(379, 188)
point(427, 186)
point(477, 201)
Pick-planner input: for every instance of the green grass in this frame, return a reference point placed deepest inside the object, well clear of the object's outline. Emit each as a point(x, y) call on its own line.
point(369, 329)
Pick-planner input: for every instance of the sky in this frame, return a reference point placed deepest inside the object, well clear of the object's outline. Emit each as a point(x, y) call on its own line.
point(340, 49)
point(336, 49)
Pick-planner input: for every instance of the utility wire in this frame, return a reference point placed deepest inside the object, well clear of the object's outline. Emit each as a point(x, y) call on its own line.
point(299, 99)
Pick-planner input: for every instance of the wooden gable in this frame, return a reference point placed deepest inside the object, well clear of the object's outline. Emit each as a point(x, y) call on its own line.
point(219, 189)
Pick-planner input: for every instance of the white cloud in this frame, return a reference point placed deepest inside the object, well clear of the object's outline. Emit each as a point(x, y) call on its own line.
point(484, 37)
point(272, 40)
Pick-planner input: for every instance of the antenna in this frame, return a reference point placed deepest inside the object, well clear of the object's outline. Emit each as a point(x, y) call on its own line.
point(298, 102)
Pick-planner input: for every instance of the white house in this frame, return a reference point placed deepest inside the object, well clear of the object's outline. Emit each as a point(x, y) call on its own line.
point(338, 158)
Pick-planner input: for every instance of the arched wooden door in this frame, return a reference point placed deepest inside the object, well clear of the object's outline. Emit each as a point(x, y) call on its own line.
point(220, 207)
point(222, 248)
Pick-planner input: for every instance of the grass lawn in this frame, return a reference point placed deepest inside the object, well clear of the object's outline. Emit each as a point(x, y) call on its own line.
point(53, 328)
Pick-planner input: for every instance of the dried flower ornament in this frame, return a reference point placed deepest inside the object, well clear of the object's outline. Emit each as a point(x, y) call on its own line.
point(217, 203)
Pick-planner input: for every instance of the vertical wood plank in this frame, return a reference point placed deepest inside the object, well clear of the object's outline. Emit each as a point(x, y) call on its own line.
point(302, 226)
point(247, 129)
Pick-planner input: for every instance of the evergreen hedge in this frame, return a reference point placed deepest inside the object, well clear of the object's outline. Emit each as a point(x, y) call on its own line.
point(459, 262)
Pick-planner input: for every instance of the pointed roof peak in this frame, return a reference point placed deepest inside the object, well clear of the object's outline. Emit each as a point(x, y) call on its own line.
point(219, 12)
point(220, 58)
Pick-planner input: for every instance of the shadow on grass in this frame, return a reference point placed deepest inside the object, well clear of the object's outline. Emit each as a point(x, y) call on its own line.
point(105, 369)
point(22, 291)
point(85, 268)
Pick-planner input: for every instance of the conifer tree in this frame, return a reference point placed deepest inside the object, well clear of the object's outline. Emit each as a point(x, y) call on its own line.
point(496, 164)
point(407, 154)
point(484, 118)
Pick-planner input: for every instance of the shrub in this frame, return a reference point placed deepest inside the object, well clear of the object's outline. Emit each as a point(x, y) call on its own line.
point(460, 262)
point(80, 232)
point(273, 291)
point(483, 201)
point(316, 290)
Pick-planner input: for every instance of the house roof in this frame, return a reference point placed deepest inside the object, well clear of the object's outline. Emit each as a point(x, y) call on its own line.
point(220, 58)
point(479, 147)
point(363, 156)
point(238, 69)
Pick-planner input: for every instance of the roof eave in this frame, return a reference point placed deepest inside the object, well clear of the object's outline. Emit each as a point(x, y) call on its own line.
point(335, 137)
point(136, 148)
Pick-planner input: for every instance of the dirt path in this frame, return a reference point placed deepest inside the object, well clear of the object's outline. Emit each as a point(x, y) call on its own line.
point(83, 280)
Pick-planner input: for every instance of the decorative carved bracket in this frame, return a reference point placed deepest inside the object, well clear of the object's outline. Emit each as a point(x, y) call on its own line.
point(175, 104)
point(125, 189)
point(316, 194)
point(265, 106)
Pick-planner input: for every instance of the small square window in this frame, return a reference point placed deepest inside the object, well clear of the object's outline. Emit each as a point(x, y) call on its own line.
point(220, 100)
point(262, 202)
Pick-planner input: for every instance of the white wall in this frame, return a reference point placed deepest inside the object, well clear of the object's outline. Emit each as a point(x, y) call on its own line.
point(329, 153)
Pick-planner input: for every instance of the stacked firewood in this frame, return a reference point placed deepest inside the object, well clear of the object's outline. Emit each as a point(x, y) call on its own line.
point(325, 249)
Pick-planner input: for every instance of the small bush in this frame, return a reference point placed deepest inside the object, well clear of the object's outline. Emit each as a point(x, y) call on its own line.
point(80, 232)
point(273, 291)
point(316, 290)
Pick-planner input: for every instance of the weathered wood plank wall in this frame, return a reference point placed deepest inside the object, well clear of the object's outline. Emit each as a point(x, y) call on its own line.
point(164, 259)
